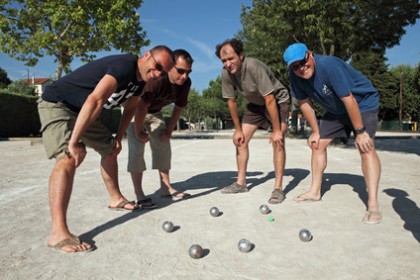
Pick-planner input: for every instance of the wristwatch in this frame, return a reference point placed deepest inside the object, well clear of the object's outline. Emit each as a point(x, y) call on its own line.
point(359, 131)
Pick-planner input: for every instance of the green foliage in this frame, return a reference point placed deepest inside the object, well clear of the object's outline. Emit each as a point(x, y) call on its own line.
point(344, 29)
point(372, 65)
point(4, 79)
point(408, 80)
point(193, 111)
point(20, 88)
point(67, 29)
point(19, 116)
point(332, 27)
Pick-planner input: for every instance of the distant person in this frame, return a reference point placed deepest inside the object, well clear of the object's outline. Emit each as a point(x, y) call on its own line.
point(351, 103)
point(150, 126)
point(69, 111)
point(268, 106)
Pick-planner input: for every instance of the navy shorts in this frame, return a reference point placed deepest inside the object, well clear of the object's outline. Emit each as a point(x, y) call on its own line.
point(330, 127)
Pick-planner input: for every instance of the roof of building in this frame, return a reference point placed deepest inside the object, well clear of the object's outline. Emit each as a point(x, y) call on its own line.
point(36, 81)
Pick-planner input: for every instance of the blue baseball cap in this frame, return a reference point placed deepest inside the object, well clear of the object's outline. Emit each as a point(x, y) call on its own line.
point(294, 52)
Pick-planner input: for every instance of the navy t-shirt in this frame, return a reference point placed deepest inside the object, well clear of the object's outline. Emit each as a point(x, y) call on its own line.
point(335, 79)
point(74, 88)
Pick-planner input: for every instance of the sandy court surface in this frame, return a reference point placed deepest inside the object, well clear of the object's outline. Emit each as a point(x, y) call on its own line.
point(134, 246)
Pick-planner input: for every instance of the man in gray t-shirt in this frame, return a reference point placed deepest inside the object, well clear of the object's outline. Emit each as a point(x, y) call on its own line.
point(268, 106)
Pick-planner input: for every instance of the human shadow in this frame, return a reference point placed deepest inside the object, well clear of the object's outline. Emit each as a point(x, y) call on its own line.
point(297, 174)
point(407, 209)
point(207, 182)
point(357, 182)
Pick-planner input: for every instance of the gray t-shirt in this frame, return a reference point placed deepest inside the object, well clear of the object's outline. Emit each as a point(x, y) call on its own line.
point(254, 81)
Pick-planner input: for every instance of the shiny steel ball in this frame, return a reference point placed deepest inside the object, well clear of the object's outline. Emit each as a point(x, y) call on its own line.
point(305, 235)
point(195, 251)
point(214, 211)
point(168, 226)
point(264, 209)
point(244, 245)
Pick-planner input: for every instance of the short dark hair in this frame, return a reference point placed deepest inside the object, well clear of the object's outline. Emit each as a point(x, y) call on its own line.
point(184, 54)
point(166, 49)
point(236, 44)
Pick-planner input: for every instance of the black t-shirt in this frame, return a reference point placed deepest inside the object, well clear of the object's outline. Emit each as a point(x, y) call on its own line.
point(159, 93)
point(74, 88)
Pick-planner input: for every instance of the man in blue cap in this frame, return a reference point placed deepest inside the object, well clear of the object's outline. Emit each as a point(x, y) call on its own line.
point(351, 104)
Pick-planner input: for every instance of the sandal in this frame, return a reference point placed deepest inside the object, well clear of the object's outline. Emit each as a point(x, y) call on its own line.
point(122, 204)
point(277, 196)
point(372, 217)
point(235, 188)
point(146, 203)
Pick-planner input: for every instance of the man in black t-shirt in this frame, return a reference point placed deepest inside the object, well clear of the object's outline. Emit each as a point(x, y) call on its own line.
point(69, 110)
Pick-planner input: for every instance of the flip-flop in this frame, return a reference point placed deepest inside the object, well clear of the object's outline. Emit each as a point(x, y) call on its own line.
point(369, 214)
point(121, 207)
point(146, 203)
point(73, 240)
point(304, 199)
point(177, 194)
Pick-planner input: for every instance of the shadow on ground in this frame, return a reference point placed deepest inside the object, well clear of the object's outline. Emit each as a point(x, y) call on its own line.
point(407, 209)
point(209, 182)
point(357, 182)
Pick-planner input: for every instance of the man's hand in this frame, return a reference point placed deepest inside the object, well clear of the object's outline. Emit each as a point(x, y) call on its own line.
point(277, 139)
point(238, 138)
point(363, 142)
point(78, 152)
point(313, 140)
point(117, 148)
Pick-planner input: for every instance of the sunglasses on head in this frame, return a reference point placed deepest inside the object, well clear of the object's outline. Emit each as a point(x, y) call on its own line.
point(159, 66)
point(182, 71)
point(298, 64)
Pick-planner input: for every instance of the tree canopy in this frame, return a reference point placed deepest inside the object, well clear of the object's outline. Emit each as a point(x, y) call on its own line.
point(330, 27)
point(66, 29)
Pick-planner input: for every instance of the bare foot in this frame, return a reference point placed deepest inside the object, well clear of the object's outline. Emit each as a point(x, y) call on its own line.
point(307, 197)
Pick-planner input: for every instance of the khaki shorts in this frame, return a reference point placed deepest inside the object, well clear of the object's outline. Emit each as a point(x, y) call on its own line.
point(154, 125)
point(57, 124)
point(259, 116)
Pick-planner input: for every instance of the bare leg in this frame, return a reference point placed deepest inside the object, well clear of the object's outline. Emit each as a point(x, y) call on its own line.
point(60, 188)
point(109, 171)
point(371, 168)
point(318, 165)
point(137, 178)
point(242, 153)
point(165, 185)
point(279, 158)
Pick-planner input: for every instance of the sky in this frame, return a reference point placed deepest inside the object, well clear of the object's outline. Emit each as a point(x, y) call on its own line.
point(197, 26)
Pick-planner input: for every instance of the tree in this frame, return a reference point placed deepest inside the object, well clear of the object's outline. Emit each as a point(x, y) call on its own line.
point(332, 27)
point(67, 29)
point(372, 65)
point(406, 75)
point(192, 111)
point(4, 79)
